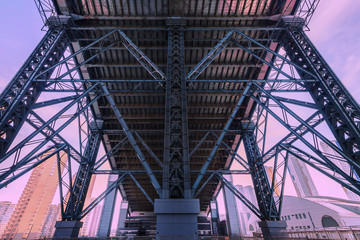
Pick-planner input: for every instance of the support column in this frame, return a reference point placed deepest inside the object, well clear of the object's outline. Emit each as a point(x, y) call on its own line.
point(67, 229)
point(176, 218)
point(176, 213)
point(176, 173)
point(271, 224)
point(107, 213)
point(70, 225)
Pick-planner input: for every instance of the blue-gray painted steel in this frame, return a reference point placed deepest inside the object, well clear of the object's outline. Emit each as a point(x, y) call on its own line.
point(218, 142)
point(176, 171)
point(132, 140)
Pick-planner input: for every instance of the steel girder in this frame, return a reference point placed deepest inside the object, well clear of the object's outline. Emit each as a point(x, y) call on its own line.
point(21, 93)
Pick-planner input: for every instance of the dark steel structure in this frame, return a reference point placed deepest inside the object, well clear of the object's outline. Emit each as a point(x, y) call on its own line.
point(172, 89)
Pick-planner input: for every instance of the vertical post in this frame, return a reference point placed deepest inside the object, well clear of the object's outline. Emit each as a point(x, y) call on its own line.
point(214, 217)
point(176, 176)
point(176, 213)
point(270, 224)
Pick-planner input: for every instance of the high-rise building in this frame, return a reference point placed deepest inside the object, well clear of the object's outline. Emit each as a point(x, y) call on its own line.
point(84, 231)
point(270, 175)
point(232, 219)
point(247, 219)
point(95, 221)
point(342, 164)
point(33, 207)
point(49, 226)
point(301, 178)
point(6, 209)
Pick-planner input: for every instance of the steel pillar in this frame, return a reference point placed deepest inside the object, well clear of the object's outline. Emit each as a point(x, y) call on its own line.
point(176, 174)
point(176, 213)
point(215, 219)
point(79, 189)
point(124, 207)
point(270, 225)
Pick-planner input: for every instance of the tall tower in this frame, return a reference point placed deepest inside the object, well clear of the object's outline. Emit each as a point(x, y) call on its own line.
point(49, 224)
point(301, 178)
point(34, 204)
point(6, 210)
point(232, 218)
point(248, 221)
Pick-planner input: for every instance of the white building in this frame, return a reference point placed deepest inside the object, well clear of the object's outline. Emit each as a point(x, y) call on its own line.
point(302, 213)
point(319, 212)
point(231, 208)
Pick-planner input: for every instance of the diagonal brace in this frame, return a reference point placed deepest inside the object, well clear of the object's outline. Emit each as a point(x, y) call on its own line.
point(219, 141)
point(132, 140)
point(240, 196)
point(151, 67)
point(205, 62)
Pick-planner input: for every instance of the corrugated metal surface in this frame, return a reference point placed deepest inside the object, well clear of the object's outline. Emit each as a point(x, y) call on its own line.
point(144, 22)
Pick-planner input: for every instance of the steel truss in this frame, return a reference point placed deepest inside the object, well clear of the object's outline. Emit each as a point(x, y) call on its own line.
point(292, 65)
point(176, 171)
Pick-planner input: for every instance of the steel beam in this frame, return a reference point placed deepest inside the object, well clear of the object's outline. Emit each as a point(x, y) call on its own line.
point(241, 197)
point(132, 140)
point(152, 69)
point(221, 137)
point(200, 67)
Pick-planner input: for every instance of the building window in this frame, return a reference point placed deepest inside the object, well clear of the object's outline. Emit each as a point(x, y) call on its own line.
point(304, 215)
point(296, 216)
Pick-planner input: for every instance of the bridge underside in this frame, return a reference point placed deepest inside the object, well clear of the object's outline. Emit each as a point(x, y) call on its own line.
point(142, 103)
point(172, 89)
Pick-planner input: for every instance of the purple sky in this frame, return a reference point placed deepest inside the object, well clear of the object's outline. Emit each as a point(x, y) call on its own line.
point(335, 30)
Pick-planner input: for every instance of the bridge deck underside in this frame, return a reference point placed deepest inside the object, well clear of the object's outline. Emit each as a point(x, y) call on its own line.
point(209, 104)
